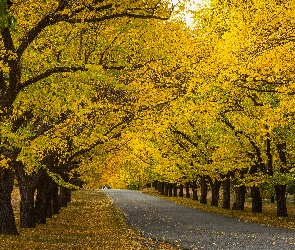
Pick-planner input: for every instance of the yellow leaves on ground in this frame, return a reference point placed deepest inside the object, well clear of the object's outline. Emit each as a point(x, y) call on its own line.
point(89, 222)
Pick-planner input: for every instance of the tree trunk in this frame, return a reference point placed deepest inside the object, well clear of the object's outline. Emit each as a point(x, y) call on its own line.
point(166, 188)
point(51, 195)
point(162, 188)
point(281, 189)
point(174, 190)
point(187, 194)
point(42, 199)
point(7, 220)
point(180, 190)
point(204, 190)
point(226, 194)
point(51, 187)
point(159, 187)
point(281, 200)
point(69, 195)
point(27, 187)
point(63, 196)
point(256, 200)
point(170, 188)
point(195, 192)
point(240, 197)
point(55, 199)
point(27, 206)
point(49, 212)
point(215, 193)
point(155, 185)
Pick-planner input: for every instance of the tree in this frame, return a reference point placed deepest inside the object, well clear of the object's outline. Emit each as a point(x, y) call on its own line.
point(28, 59)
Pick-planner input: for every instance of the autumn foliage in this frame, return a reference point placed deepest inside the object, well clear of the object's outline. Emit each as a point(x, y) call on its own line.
point(124, 93)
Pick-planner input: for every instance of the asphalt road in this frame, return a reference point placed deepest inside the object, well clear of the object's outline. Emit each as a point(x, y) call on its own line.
point(195, 229)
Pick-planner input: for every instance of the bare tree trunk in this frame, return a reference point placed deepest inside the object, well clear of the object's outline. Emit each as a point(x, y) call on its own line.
point(240, 197)
point(215, 192)
point(170, 188)
point(281, 189)
point(204, 190)
point(195, 192)
point(281, 200)
point(43, 199)
point(187, 194)
point(55, 199)
point(180, 190)
point(27, 187)
point(166, 189)
point(256, 200)
point(162, 188)
point(174, 190)
point(63, 196)
point(226, 194)
point(7, 220)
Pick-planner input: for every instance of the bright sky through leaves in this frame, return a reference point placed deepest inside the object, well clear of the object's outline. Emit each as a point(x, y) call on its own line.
point(190, 6)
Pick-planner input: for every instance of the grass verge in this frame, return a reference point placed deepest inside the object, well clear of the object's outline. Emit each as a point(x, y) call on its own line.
point(267, 217)
point(89, 222)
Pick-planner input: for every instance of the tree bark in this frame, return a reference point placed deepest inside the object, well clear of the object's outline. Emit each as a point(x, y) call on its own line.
point(170, 188)
point(281, 189)
point(180, 190)
point(63, 196)
point(166, 189)
point(159, 186)
point(256, 200)
point(69, 195)
point(27, 206)
point(187, 194)
point(27, 187)
point(43, 199)
point(174, 190)
point(55, 199)
point(281, 200)
point(226, 194)
point(204, 190)
point(240, 197)
point(7, 220)
point(215, 193)
point(162, 188)
point(195, 192)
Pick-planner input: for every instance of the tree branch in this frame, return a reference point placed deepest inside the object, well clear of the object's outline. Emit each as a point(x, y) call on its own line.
point(185, 136)
point(114, 16)
point(50, 72)
point(54, 18)
point(7, 39)
point(239, 132)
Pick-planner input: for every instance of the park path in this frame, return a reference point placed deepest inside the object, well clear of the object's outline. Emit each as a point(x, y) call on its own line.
point(195, 229)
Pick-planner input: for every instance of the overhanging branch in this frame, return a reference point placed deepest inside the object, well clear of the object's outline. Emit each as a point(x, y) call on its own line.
point(114, 16)
point(50, 72)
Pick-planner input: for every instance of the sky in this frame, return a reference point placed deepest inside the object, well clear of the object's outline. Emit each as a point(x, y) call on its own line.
point(191, 5)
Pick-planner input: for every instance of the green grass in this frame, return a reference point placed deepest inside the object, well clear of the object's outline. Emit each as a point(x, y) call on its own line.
point(267, 217)
point(89, 222)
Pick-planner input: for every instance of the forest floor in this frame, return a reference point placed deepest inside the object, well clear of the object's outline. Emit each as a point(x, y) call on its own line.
point(89, 222)
point(191, 228)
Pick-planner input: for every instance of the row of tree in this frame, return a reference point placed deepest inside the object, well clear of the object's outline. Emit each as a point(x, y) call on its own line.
point(234, 122)
point(72, 80)
point(120, 92)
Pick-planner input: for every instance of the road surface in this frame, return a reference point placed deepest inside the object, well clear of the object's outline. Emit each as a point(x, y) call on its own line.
point(195, 229)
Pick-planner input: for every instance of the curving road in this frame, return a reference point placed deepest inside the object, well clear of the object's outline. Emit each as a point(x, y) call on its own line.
point(195, 229)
